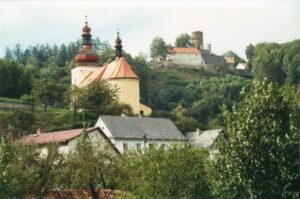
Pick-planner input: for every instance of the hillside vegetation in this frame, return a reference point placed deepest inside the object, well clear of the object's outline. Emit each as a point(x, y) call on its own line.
point(191, 98)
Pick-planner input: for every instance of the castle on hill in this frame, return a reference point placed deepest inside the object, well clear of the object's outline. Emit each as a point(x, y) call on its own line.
point(194, 57)
point(118, 73)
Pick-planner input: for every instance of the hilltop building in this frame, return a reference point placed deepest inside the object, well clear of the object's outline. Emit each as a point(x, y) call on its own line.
point(118, 73)
point(195, 56)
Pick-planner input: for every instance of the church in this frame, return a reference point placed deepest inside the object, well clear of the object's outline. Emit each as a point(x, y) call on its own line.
point(118, 73)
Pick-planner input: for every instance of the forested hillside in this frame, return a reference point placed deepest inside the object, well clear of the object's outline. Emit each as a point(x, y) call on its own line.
point(40, 76)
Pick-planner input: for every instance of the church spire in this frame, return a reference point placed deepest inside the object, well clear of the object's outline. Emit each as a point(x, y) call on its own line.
point(118, 45)
point(86, 33)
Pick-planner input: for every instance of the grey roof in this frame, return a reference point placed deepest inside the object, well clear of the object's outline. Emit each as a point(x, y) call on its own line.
point(138, 127)
point(206, 139)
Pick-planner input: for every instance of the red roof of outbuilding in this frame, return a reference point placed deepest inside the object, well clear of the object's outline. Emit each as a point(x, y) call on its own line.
point(53, 137)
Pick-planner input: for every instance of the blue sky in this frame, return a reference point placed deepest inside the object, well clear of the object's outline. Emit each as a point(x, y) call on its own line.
point(226, 24)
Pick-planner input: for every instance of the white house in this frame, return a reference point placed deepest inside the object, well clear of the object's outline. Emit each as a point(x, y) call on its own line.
point(205, 139)
point(137, 133)
point(242, 66)
point(67, 140)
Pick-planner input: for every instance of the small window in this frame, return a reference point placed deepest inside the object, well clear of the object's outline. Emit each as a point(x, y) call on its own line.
point(141, 112)
point(125, 146)
point(138, 147)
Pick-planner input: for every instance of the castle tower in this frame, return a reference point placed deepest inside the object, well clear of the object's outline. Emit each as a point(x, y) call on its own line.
point(86, 61)
point(197, 39)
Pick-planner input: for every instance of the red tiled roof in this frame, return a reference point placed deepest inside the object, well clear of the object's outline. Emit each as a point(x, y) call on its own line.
point(52, 137)
point(185, 50)
point(119, 68)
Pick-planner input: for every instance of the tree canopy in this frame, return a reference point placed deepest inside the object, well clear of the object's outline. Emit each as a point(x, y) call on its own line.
point(183, 40)
point(278, 63)
point(158, 48)
point(258, 152)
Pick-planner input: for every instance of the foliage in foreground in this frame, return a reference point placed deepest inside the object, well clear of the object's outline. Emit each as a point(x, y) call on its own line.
point(179, 172)
point(258, 154)
point(89, 166)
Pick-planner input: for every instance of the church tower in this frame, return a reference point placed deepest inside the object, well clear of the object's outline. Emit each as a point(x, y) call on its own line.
point(86, 61)
point(118, 73)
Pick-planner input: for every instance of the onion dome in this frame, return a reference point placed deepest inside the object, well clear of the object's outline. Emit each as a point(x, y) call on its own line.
point(86, 29)
point(118, 46)
point(86, 56)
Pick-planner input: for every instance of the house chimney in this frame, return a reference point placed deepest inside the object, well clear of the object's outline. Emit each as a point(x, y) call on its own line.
point(39, 131)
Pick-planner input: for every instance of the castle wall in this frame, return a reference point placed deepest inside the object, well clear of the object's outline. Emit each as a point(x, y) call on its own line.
point(194, 60)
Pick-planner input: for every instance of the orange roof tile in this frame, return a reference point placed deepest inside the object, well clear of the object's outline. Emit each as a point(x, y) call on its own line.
point(52, 137)
point(119, 68)
point(185, 50)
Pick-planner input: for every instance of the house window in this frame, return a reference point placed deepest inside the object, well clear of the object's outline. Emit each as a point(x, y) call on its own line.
point(125, 146)
point(138, 147)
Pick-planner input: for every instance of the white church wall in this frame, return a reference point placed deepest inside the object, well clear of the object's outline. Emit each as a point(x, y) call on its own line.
point(79, 73)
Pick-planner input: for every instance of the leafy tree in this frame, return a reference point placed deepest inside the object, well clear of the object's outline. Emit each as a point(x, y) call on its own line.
point(46, 92)
point(267, 64)
point(258, 153)
point(35, 172)
point(140, 67)
point(158, 48)
point(15, 81)
point(21, 119)
point(183, 40)
point(7, 183)
point(250, 54)
point(95, 96)
point(89, 165)
point(62, 56)
point(183, 121)
point(18, 54)
point(107, 56)
point(179, 172)
point(8, 54)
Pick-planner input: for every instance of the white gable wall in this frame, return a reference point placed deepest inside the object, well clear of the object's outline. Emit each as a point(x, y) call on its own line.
point(79, 73)
point(184, 58)
point(103, 127)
